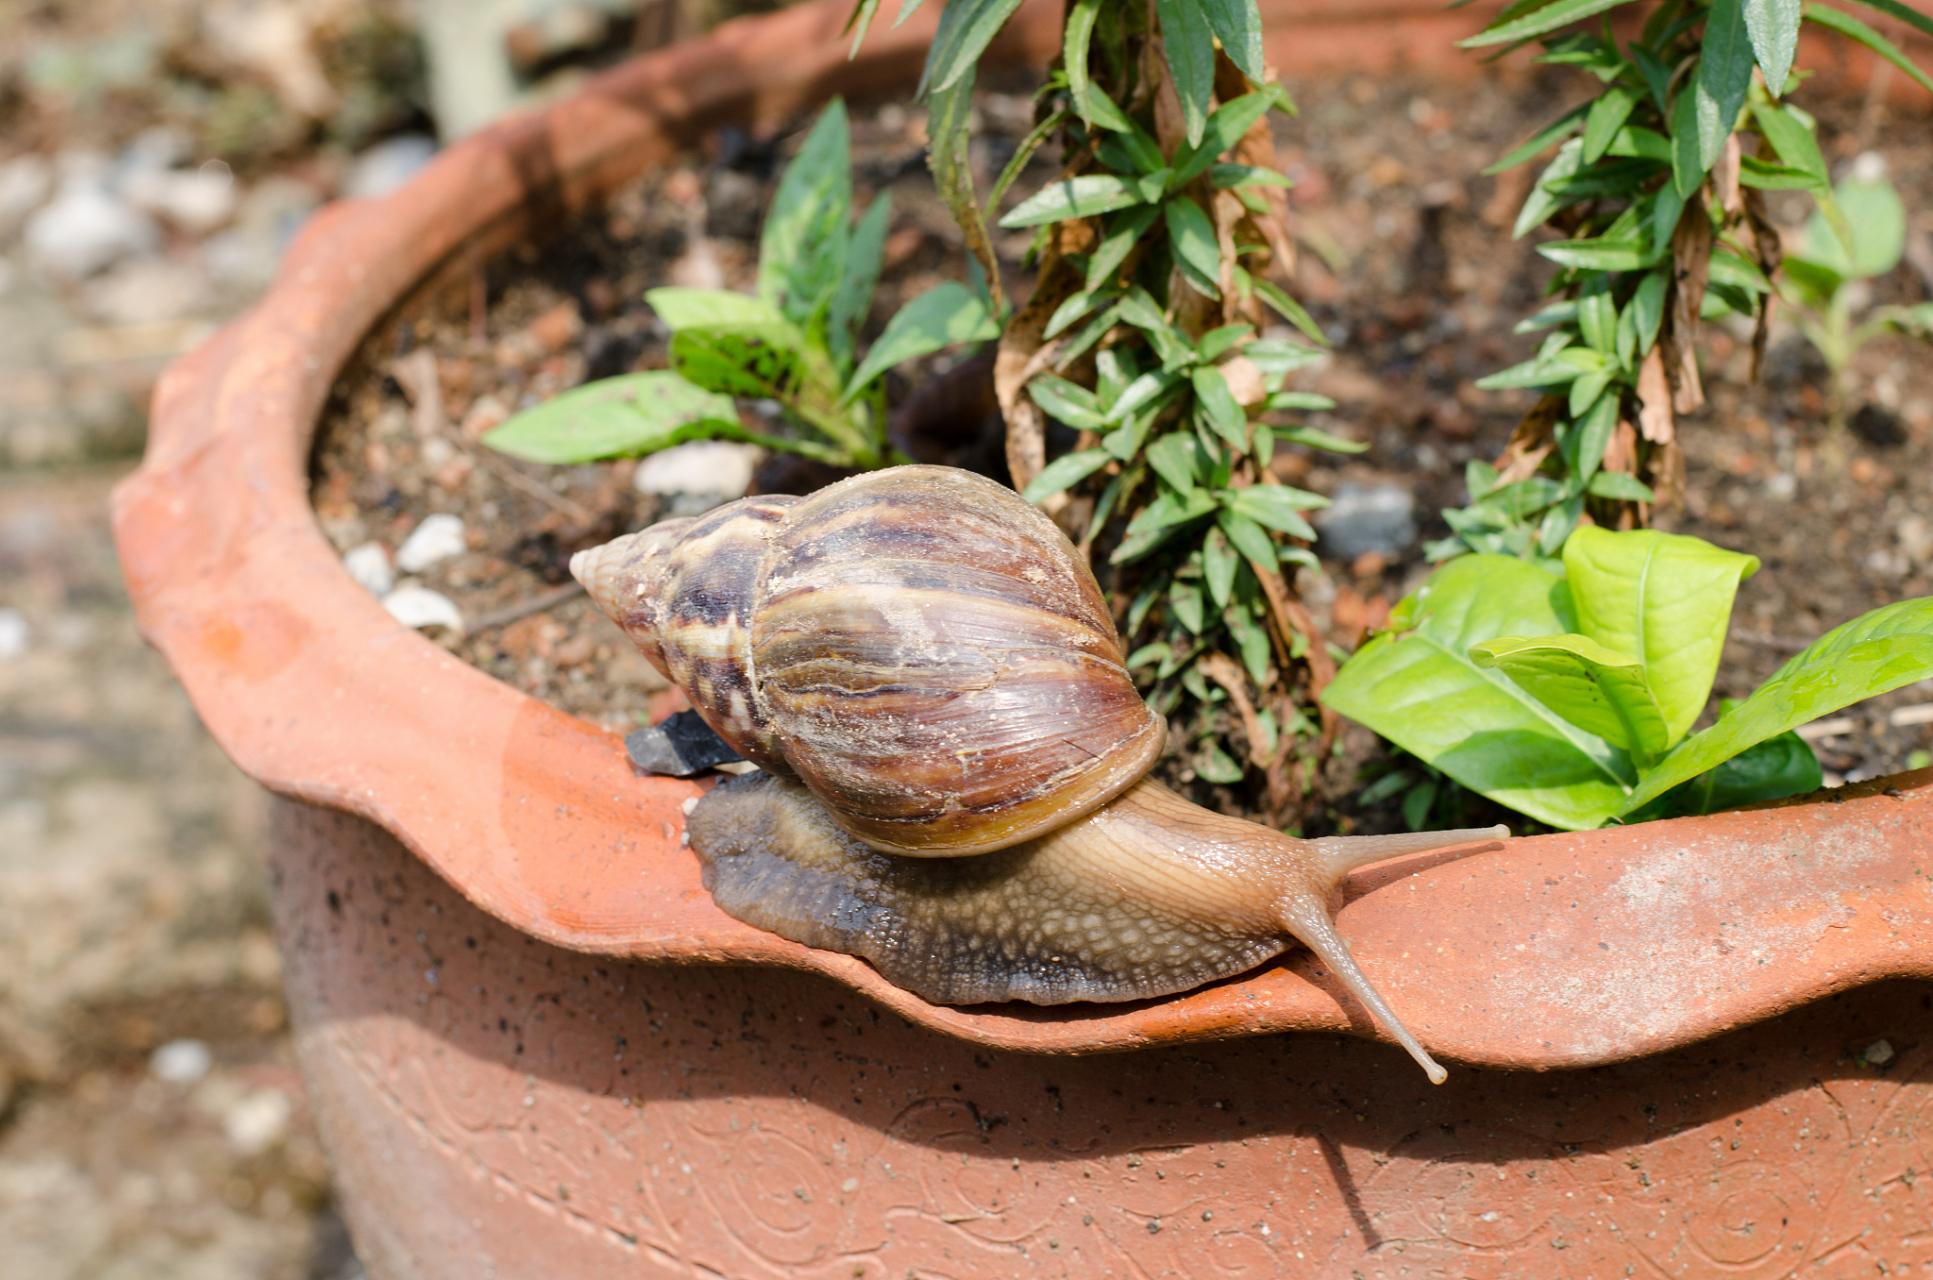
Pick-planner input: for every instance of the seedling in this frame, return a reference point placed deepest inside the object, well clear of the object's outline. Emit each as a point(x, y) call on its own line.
point(1821, 283)
point(1571, 697)
point(795, 343)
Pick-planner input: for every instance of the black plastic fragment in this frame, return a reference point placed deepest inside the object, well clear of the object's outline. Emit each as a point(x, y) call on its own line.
point(678, 747)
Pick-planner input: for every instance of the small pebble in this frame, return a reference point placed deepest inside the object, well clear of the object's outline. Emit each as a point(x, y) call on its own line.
point(718, 469)
point(13, 632)
point(421, 607)
point(388, 165)
point(258, 1121)
point(1363, 518)
point(1879, 1053)
point(181, 1061)
point(438, 538)
point(368, 564)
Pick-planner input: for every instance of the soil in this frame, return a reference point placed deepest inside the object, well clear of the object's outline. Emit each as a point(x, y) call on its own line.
point(1410, 268)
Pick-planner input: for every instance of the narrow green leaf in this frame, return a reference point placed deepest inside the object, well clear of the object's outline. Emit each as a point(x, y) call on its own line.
point(1073, 404)
point(967, 27)
point(1753, 172)
point(1314, 439)
point(1021, 156)
point(1591, 437)
point(1546, 18)
point(1124, 231)
point(1191, 59)
point(1279, 507)
point(690, 308)
point(947, 120)
point(1192, 236)
point(942, 316)
point(1904, 13)
point(1794, 140)
point(1620, 486)
point(1542, 202)
point(1218, 407)
point(1218, 565)
point(1599, 255)
point(1724, 74)
point(1285, 306)
point(610, 418)
point(1640, 143)
point(860, 22)
point(1238, 25)
point(1665, 600)
point(1253, 641)
point(1774, 28)
point(1068, 469)
point(854, 297)
point(1185, 599)
point(1420, 689)
point(1607, 116)
point(1599, 690)
point(1847, 25)
point(1562, 127)
point(1080, 197)
point(802, 250)
point(1248, 537)
point(1687, 170)
point(1657, 76)
point(1173, 458)
point(1216, 342)
point(1227, 126)
point(1074, 46)
point(1871, 655)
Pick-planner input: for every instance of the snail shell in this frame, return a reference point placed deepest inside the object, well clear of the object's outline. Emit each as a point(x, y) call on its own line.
point(918, 646)
point(933, 661)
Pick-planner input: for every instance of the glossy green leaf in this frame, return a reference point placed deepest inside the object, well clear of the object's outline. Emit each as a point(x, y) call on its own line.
point(1080, 197)
point(1421, 690)
point(1774, 28)
point(1884, 649)
point(1547, 18)
point(611, 418)
point(1771, 770)
point(1238, 25)
point(802, 250)
point(1597, 689)
point(1607, 116)
point(1191, 59)
point(1663, 599)
point(942, 316)
point(1068, 469)
point(1847, 25)
point(1599, 255)
point(967, 27)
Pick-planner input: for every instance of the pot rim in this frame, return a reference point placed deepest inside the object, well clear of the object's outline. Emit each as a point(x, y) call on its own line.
point(1618, 943)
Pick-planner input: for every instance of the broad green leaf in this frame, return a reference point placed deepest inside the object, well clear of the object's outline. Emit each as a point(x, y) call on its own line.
point(1073, 404)
point(1080, 197)
point(1884, 649)
point(691, 308)
point(942, 316)
point(1774, 28)
point(1598, 690)
point(1279, 507)
point(1421, 691)
point(613, 417)
point(947, 119)
point(1238, 25)
point(1724, 74)
point(1193, 236)
point(1772, 770)
point(1877, 219)
point(967, 27)
point(759, 361)
point(1847, 25)
point(1547, 18)
point(854, 297)
point(1662, 598)
point(802, 251)
point(1066, 470)
point(1607, 116)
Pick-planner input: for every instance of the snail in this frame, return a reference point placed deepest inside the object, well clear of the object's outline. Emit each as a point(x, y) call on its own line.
point(951, 755)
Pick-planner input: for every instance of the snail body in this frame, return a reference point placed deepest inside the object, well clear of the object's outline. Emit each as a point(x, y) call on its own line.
point(952, 754)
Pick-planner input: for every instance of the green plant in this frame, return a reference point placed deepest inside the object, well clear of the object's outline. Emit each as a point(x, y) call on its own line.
point(795, 343)
point(1654, 194)
point(1571, 698)
point(1819, 281)
point(1155, 247)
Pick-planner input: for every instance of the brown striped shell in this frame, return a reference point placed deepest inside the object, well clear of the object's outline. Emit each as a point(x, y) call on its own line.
point(921, 648)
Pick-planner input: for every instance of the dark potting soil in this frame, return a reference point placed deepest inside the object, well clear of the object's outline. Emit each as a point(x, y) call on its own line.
point(1407, 263)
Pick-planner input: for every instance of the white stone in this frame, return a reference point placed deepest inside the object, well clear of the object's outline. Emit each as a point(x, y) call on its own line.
point(25, 182)
point(14, 636)
point(181, 1061)
point(438, 538)
point(421, 607)
point(257, 1121)
point(722, 467)
point(147, 291)
point(86, 229)
point(368, 564)
point(388, 165)
point(196, 200)
point(1879, 1053)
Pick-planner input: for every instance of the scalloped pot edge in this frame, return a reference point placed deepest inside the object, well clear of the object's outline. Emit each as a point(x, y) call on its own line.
point(1555, 951)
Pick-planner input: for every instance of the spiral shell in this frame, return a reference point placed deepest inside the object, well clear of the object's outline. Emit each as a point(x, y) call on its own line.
point(922, 649)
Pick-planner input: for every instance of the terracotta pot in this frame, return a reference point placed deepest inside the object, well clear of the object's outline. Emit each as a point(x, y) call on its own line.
point(586, 1069)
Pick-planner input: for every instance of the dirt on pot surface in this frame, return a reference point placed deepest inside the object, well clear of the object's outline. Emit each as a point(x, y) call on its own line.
point(1407, 263)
